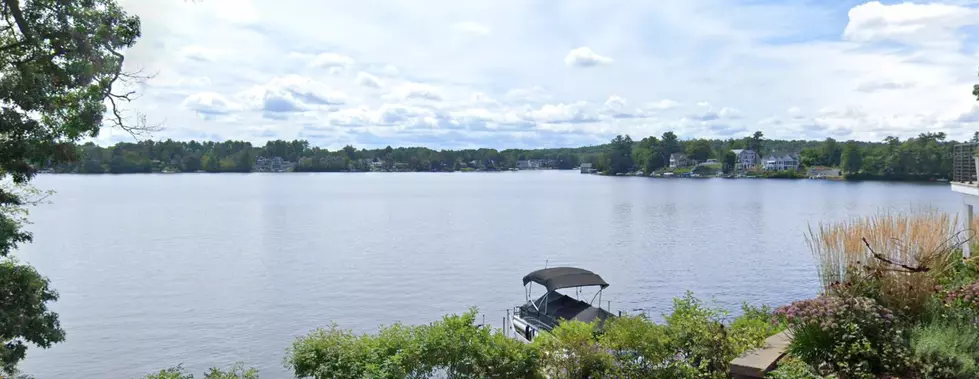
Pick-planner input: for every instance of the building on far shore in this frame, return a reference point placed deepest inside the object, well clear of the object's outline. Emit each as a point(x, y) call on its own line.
point(781, 162)
point(678, 160)
point(586, 168)
point(746, 159)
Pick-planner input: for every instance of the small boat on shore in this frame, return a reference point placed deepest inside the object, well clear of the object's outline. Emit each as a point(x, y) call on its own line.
point(548, 311)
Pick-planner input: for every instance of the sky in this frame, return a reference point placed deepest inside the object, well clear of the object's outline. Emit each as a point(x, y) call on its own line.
point(552, 73)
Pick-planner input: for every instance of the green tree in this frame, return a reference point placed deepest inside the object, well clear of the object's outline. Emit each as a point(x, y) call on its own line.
point(810, 157)
point(756, 142)
point(190, 163)
point(60, 62)
point(852, 158)
point(669, 144)
point(621, 155)
point(730, 160)
point(831, 152)
point(699, 149)
point(975, 91)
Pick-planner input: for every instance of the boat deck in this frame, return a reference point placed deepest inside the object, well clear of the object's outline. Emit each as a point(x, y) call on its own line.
point(559, 307)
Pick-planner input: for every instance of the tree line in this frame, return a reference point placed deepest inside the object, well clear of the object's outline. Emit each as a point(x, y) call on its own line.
point(927, 156)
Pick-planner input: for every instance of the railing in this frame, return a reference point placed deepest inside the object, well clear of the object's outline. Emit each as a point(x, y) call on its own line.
point(963, 164)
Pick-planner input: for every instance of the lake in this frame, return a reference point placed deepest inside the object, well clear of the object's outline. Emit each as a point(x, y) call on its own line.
point(209, 269)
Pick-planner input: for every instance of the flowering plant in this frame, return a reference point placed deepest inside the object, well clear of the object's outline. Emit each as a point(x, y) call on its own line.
point(851, 336)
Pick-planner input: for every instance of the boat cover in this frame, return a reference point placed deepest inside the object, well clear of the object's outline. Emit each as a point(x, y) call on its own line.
point(564, 277)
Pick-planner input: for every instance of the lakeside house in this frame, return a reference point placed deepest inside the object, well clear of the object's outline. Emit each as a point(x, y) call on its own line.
point(274, 164)
point(781, 162)
point(534, 164)
point(678, 160)
point(746, 159)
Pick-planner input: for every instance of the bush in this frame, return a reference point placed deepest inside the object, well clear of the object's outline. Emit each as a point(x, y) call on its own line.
point(852, 336)
point(947, 350)
point(454, 346)
point(237, 371)
point(793, 368)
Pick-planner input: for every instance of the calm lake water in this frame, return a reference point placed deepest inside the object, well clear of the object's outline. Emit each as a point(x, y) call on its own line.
point(204, 270)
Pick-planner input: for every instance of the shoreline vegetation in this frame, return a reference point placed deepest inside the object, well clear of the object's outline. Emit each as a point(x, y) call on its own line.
point(898, 300)
point(927, 157)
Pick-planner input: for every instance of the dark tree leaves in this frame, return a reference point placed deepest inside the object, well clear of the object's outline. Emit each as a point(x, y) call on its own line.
point(24, 315)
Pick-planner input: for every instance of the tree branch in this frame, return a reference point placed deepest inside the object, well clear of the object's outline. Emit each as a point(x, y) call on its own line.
point(892, 263)
point(14, 7)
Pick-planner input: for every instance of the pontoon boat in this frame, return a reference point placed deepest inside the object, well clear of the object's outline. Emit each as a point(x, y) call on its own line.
point(546, 312)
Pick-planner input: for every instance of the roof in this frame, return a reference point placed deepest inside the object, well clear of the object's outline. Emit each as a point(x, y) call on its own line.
point(564, 277)
point(677, 155)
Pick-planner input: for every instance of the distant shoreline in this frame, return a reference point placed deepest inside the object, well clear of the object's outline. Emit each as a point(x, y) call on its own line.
point(938, 181)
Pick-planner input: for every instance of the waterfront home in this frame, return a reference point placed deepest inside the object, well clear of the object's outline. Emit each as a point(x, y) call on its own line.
point(745, 159)
point(529, 164)
point(678, 160)
point(781, 162)
point(586, 168)
point(261, 164)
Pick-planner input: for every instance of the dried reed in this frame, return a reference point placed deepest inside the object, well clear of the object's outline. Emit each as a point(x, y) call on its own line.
point(902, 242)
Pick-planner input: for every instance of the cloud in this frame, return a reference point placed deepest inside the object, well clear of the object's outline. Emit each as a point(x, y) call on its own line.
point(706, 116)
point(584, 57)
point(291, 93)
point(729, 113)
point(385, 115)
point(869, 70)
point(874, 86)
point(562, 113)
point(915, 24)
point(209, 103)
point(368, 80)
point(334, 63)
point(664, 104)
point(198, 53)
point(530, 94)
point(615, 103)
point(419, 91)
point(473, 28)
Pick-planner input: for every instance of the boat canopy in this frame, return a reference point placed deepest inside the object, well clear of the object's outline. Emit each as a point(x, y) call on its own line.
point(564, 277)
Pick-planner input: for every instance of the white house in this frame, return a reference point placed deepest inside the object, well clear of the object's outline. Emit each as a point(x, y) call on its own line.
point(745, 159)
point(781, 162)
point(678, 160)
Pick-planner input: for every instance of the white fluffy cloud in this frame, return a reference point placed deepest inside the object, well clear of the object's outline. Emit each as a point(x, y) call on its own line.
point(368, 80)
point(584, 57)
point(291, 93)
point(209, 103)
point(418, 91)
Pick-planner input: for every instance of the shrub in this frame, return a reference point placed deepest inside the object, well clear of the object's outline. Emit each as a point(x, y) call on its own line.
point(454, 346)
point(639, 347)
point(853, 336)
point(793, 368)
point(947, 350)
point(572, 351)
point(237, 371)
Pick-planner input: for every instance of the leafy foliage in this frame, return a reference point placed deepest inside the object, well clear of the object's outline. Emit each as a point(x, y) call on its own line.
point(793, 368)
point(25, 317)
point(853, 336)
point(947, 349)
point(236, 371)
point(694, 342)
point(454, 345)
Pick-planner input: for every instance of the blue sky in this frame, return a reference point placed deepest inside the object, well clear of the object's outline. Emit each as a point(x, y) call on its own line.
point(529, 73)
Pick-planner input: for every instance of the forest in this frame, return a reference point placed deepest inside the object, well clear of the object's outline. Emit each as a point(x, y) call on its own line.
point(925, 157)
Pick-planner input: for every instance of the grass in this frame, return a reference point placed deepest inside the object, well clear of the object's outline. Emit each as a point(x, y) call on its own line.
point(908, 252)
point(953, 343)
